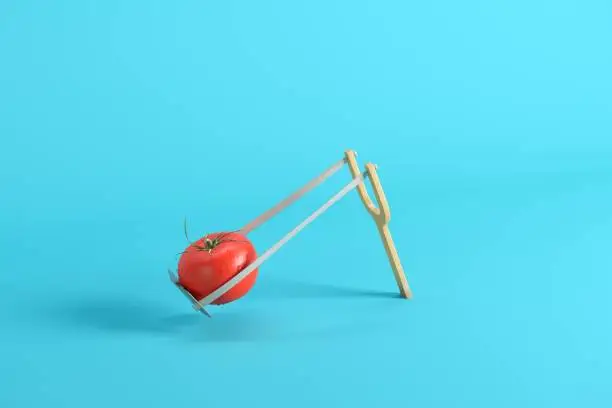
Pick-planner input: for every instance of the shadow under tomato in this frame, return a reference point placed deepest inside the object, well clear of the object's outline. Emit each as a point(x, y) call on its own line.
point(125, 316)
point(117, 315)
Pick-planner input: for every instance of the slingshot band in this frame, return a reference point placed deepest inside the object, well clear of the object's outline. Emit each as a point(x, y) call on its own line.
point(255, 264)
point(292, 198)
point(174, 280)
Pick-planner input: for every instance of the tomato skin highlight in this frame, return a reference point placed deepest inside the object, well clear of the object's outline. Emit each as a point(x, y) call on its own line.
point(201, 272)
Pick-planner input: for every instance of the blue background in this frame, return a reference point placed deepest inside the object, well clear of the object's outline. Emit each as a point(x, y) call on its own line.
point(491, 123)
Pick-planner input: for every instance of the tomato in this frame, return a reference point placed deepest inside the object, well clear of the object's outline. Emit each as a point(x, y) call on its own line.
point(209, 262)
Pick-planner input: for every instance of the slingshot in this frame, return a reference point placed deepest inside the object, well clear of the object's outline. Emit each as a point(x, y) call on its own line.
point(381, 216)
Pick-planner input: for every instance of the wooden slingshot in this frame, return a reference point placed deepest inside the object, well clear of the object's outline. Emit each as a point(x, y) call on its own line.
point(380, 214)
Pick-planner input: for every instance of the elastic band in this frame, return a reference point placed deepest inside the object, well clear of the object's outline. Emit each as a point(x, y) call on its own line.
point(292, 198)
point(255, 264)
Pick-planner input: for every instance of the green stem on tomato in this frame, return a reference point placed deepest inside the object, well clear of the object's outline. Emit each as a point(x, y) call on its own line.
point(209, 244)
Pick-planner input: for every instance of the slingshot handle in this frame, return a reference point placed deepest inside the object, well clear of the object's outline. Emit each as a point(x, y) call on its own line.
point(381, 216)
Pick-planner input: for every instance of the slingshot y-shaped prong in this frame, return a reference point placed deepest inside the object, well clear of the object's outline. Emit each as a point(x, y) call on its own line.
point(381, 216)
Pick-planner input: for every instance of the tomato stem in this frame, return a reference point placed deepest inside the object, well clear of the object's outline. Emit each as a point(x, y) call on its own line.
point(209, 244)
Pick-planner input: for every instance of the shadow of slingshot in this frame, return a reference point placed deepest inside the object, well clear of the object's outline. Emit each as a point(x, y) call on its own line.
point(282, 288)
point(117, 315)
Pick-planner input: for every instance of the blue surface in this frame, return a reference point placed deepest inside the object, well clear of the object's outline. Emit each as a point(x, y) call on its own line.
point(492, 126)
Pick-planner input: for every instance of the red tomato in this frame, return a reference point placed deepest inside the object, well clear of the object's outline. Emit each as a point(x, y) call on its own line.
point(209, 262)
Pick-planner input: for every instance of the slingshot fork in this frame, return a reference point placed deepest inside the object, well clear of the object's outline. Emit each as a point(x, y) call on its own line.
point(381, 216)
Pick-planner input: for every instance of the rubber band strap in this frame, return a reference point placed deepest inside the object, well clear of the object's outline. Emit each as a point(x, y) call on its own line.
point(255, 264)
point(293, 197)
